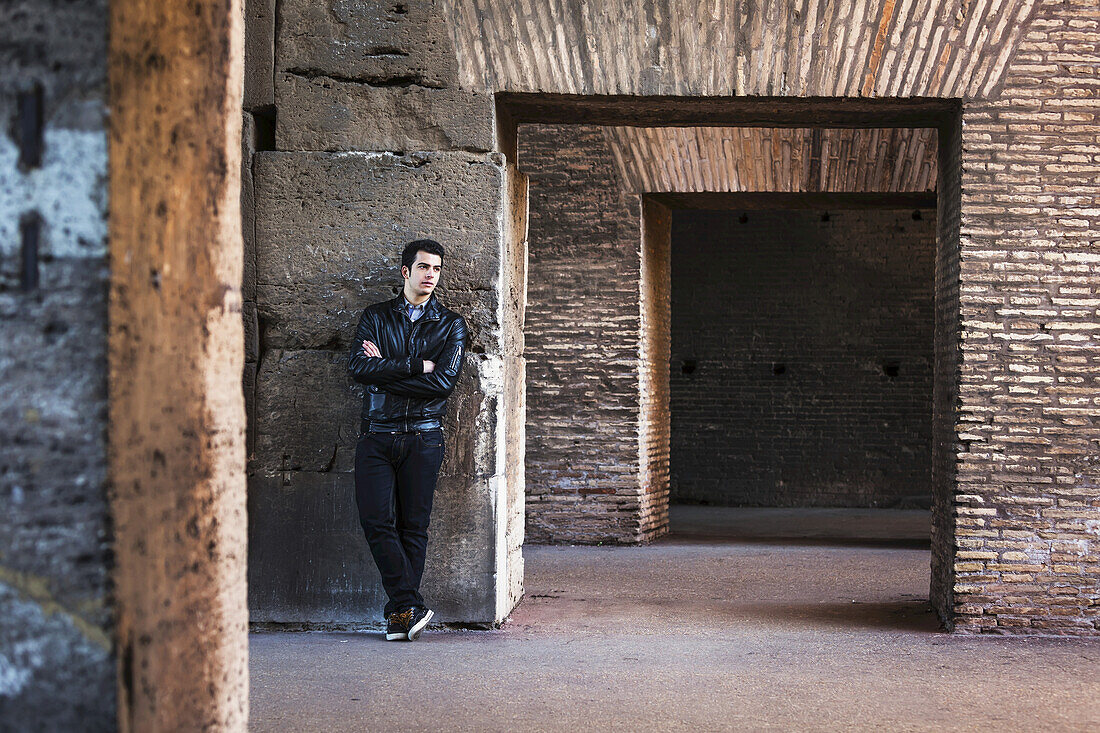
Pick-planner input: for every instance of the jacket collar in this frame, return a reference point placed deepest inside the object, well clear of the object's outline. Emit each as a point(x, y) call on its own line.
point(431, 308)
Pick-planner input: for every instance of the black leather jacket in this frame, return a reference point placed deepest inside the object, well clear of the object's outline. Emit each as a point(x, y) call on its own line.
point(399, 395)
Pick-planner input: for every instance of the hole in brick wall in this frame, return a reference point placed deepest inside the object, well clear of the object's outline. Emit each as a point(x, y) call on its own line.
point(743, 218)
point(825, 216)
point(687, 366)
point(891, 368)
point(778, 368)
point(916, 215)
point(30, 231)
point(28, 127)
point(265, 127)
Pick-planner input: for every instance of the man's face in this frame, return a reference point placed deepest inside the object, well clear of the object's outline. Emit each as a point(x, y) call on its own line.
point(424, 276)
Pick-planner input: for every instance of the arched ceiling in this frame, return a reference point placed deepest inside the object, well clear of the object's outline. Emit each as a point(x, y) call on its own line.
point(857, 48)
point(694, 159)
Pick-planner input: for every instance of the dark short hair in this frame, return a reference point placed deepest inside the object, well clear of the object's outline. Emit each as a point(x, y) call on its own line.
point(408, 256)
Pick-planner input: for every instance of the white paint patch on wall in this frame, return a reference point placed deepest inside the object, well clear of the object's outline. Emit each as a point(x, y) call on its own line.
point(69, 190)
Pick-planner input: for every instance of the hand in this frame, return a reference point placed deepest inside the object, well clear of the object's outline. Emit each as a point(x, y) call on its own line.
point(429, 366)
point(371, 350)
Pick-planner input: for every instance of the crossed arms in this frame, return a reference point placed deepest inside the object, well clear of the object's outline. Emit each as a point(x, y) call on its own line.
point(406, 376)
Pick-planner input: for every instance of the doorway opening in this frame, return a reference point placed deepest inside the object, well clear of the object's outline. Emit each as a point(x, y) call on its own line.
point(626, 414)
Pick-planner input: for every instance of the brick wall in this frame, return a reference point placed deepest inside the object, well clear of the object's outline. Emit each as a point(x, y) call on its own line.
point(583, 473)
point(1027, 507)
point(945, 388)
point(802, 357)
point(656, 324)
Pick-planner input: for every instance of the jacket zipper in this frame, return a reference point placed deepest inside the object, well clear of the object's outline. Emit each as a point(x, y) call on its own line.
point(408, 349)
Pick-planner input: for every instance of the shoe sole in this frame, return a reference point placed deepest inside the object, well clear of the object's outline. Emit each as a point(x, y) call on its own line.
point(396, 636)
point(419, 626)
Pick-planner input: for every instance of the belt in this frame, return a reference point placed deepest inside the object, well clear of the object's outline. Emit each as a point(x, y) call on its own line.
point(402, 426)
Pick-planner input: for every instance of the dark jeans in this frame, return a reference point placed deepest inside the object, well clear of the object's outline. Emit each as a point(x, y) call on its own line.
point(395, 476)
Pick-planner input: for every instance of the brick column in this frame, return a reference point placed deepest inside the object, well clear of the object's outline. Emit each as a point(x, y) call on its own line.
point(1027, 508)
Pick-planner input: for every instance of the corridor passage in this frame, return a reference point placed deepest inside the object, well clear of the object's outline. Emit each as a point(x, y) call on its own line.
point(761, 619)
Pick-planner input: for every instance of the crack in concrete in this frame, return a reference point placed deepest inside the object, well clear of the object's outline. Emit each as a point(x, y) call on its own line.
point(373, 80)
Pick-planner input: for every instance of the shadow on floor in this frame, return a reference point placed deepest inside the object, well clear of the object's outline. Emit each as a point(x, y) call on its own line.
point(837, 527)
point(687, 538)
point(903, 616)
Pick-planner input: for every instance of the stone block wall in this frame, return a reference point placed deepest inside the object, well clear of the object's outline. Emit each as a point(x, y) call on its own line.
point(374, 145)
point(56, 654)
point(801, 367)
point(327, 248)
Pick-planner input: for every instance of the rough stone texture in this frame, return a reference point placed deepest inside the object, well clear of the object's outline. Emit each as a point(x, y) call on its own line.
point(248, 208)
point(384, 43)
point(511, 497)
point(802, 357)
point(175, 357)
point(56, 657)
point(55, 537)
point(309, 563)
point(259, 53)
point(583, 472)
point(307, 413)
point(323, 113)
point(330, 228)
point(1027, 498)
point(249, 316)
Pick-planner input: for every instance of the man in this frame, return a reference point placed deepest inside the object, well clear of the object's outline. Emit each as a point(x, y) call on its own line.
point(408, 352)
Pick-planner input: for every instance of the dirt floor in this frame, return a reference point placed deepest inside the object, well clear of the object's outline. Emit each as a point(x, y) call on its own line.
point(757, 619)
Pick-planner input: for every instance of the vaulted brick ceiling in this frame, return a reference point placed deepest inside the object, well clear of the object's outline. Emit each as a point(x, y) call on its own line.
point(861, 48)
point(688, 159)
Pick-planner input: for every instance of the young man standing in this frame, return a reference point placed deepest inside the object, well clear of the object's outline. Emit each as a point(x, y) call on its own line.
point(408, 352)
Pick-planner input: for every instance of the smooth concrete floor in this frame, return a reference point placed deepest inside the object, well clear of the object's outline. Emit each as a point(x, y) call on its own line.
point(742, 619)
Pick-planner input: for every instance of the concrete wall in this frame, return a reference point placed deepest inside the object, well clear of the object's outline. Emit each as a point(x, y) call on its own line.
point(55, 598)
point(802, 357)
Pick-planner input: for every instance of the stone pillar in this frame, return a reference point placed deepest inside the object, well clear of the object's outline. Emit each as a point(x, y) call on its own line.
point(176, 415)
point(330, 228)
point(377, 145)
